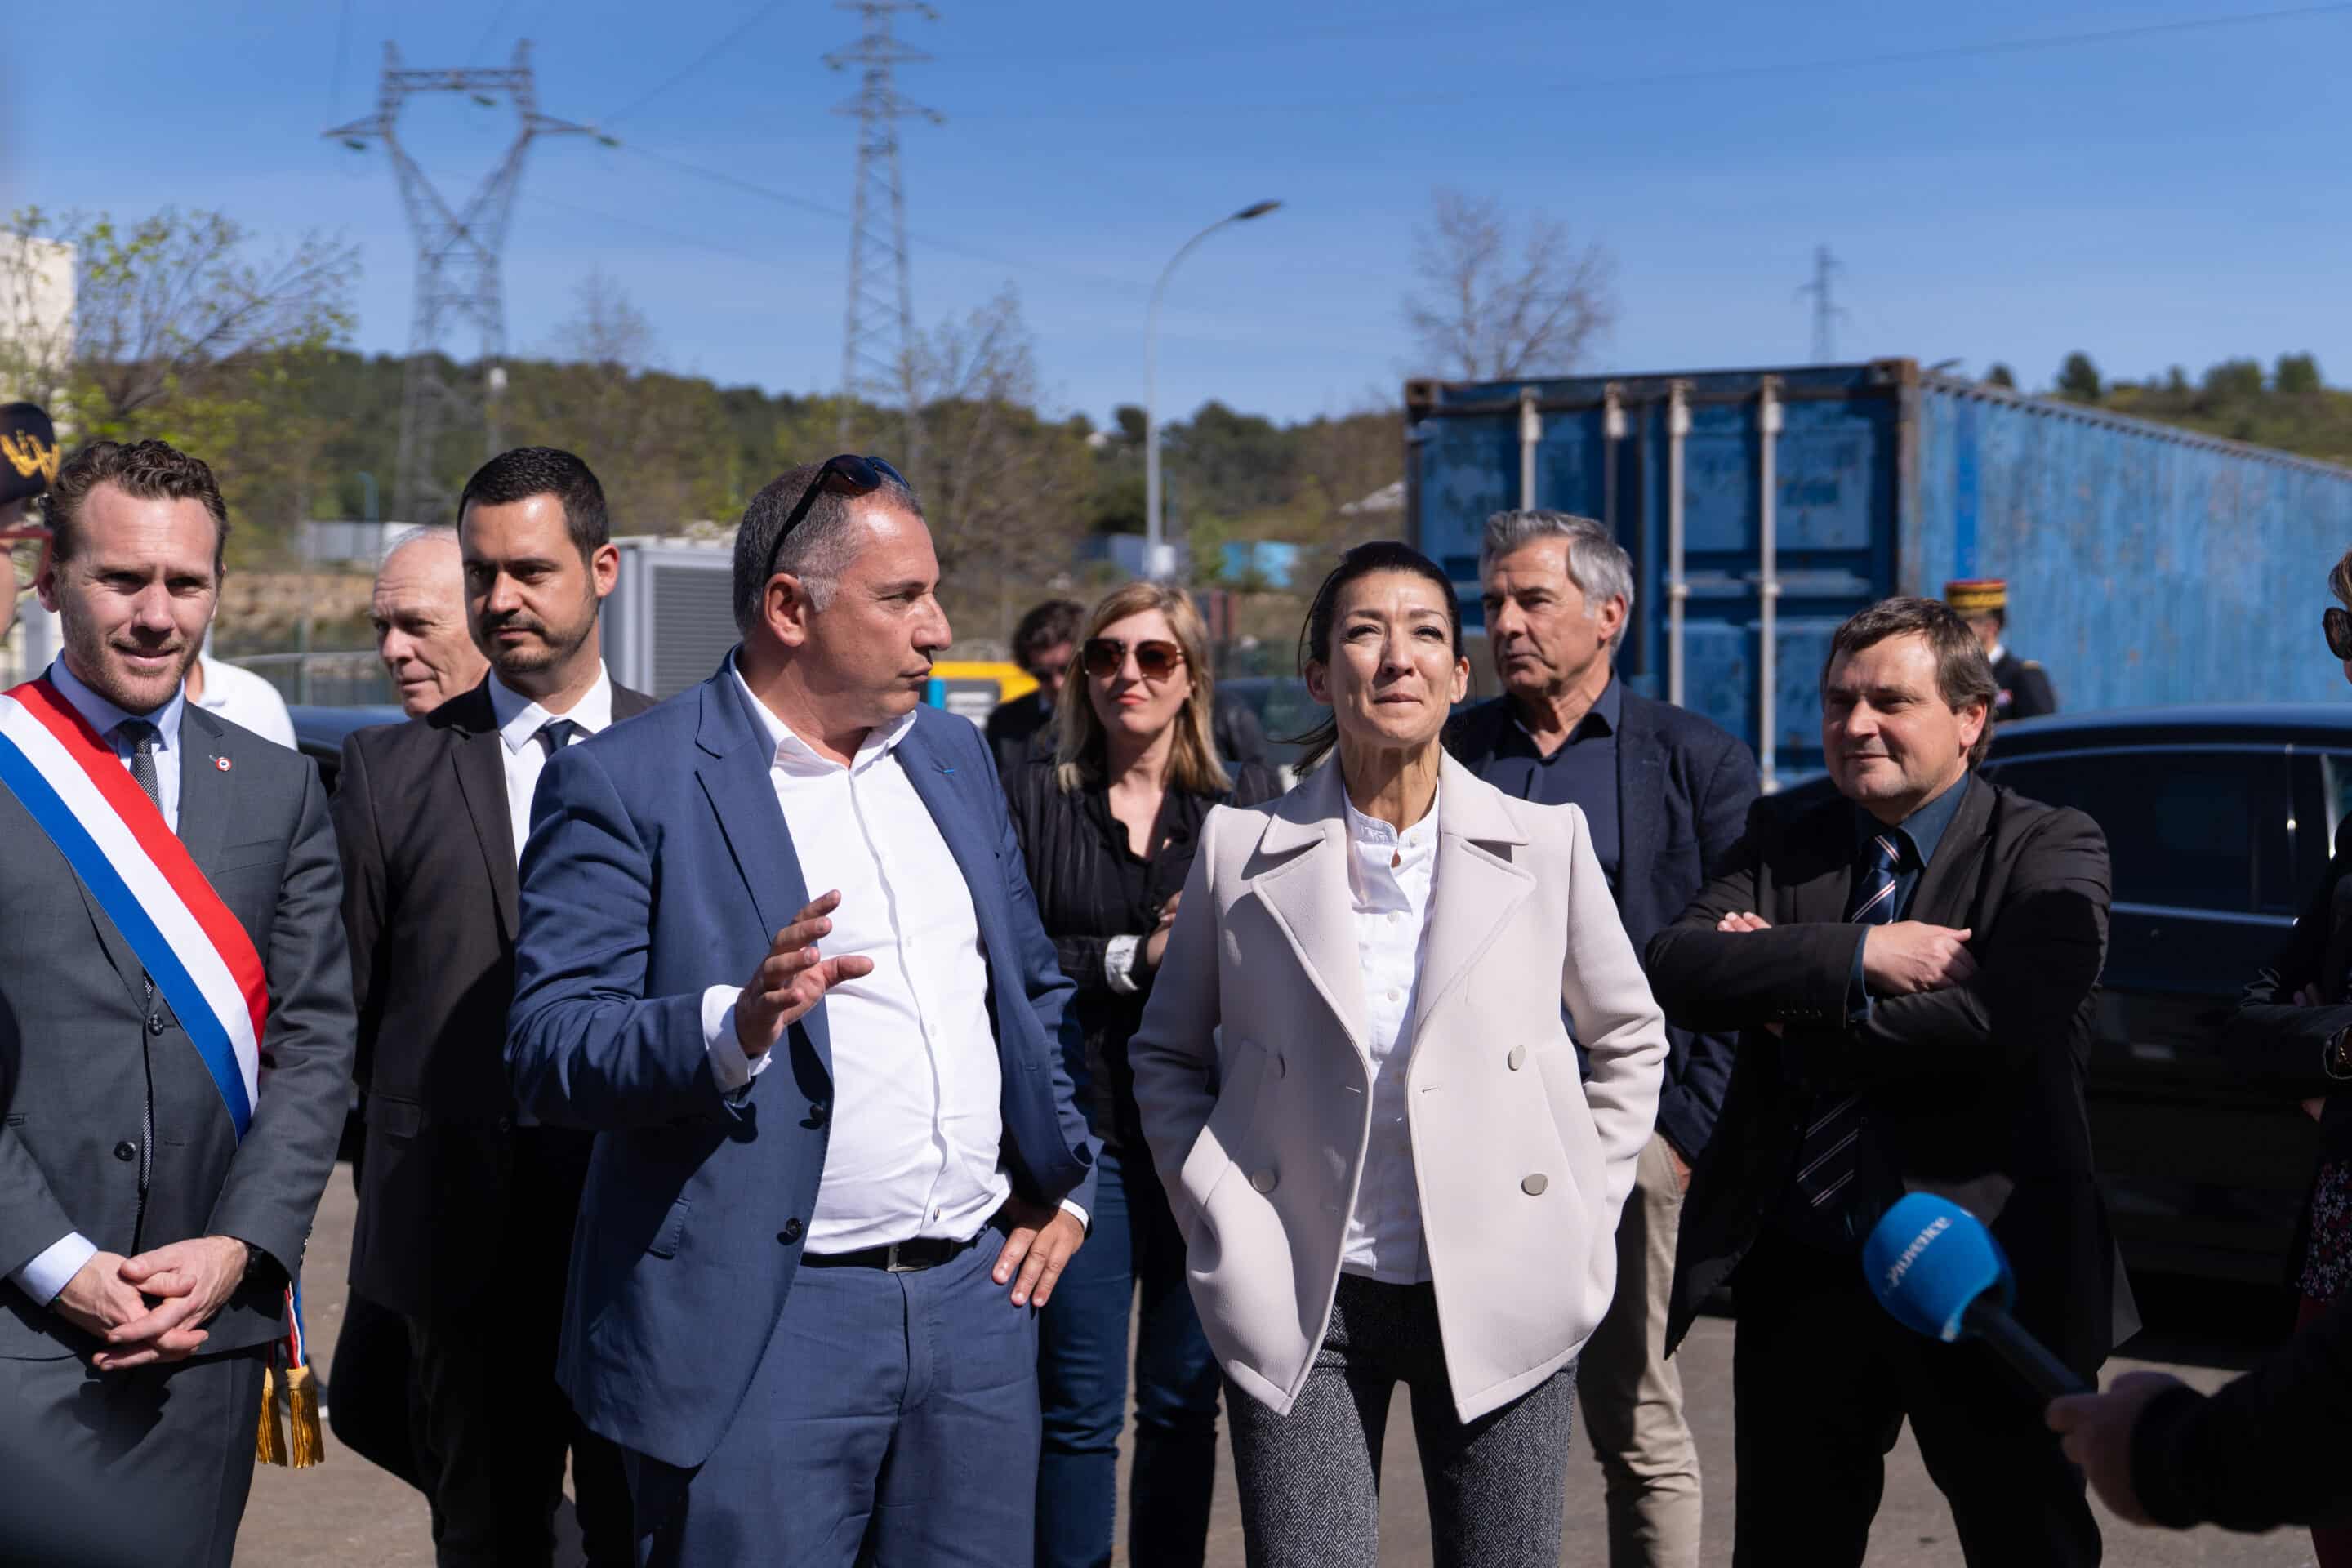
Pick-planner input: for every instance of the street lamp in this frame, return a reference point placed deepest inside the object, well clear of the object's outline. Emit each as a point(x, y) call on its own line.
point(1154, 534)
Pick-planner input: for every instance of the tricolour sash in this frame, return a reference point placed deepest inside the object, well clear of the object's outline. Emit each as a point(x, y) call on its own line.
point(194, 950)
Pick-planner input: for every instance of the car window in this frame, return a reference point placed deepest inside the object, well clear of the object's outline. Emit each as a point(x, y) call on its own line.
point(2201, 831)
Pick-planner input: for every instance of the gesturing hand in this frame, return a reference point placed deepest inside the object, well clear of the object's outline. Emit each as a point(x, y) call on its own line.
point(1911, 956)
point(792, 978)
point(194, 1278)
point(1155, 946)
point(2095, 1431)
point(1039, 1244)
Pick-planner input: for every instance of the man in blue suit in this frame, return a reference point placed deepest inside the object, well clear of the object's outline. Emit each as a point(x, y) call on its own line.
point(841, 1166)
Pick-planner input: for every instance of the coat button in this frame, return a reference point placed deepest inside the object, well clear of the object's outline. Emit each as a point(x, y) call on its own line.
point(818, 1112)
point(1534, 1185)
point(126, 1149)
point(1518, 1058)
point(154, 1023)
point(790, 1233)
point(1263, 1181)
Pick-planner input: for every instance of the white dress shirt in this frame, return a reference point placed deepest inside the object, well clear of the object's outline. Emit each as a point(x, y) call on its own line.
point(918, 1090)
point(53, 1268)
point(246, 699)
point(520, 719)
point(1389, 875)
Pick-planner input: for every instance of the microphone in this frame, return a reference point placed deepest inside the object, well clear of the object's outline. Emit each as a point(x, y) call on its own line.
point(1938, 1270)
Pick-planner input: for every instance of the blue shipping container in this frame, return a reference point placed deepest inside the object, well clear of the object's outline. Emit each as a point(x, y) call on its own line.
point(2146, 564)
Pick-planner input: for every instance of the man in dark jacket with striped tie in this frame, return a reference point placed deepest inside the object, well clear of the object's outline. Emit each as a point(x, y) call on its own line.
point(1911, 963)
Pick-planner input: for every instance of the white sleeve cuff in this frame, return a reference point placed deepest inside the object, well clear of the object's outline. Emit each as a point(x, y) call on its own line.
point(54, 1269)
point(1119, 964)
point(1085, 1223)
point(729, 1065)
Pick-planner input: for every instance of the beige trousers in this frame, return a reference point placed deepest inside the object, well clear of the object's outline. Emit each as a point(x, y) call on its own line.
point(1633, 1395)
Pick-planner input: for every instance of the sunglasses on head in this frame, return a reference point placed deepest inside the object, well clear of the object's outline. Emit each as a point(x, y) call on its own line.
point(2338, 625)
point(846, 474)
point(1103, 658)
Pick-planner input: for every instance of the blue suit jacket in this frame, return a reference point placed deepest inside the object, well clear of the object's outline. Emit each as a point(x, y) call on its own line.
point(660, 864)
point(1684, 787)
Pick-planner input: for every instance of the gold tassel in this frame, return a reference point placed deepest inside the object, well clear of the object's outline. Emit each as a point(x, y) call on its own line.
point(310, 1445)
point(269, 1446)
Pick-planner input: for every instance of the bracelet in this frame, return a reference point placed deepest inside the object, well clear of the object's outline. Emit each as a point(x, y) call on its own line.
point(2335, 1056)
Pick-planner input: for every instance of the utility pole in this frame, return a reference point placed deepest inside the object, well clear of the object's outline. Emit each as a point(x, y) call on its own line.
point(459, 255)
point(1825, 309)
point(877, 326)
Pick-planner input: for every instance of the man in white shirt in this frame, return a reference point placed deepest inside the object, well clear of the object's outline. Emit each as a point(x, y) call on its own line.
point(466, 1207)
point(839, 1165)
point(240, 696)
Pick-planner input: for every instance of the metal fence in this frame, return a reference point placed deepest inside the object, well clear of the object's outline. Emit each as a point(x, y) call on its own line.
point(328, 679)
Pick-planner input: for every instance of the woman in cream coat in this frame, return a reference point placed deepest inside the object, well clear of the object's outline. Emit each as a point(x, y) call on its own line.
point(1362, 1099)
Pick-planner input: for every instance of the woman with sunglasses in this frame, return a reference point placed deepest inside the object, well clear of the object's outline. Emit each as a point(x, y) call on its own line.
point(2293, 1026)
point(1106, 826)
point(1358, 1083)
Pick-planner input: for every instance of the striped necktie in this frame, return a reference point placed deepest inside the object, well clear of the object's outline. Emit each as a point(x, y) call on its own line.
point(1829, 1157)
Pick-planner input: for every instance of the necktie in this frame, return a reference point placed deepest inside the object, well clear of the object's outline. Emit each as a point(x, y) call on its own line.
point(144, 737)
point(1829, 1156)
point(555, 734)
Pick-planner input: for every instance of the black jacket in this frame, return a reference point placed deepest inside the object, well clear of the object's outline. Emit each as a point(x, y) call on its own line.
point(1067, 844)
point(428, 859)
point(1019, 730)
point(2268, 1450)
point(1983, 1078)
point(2278, 1044)
point(1684, 787)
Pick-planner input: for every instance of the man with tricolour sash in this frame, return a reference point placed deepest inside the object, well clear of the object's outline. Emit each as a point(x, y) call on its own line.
point(175, 1046)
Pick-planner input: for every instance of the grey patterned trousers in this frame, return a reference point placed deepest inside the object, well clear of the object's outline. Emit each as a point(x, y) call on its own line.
point(1310, 1481)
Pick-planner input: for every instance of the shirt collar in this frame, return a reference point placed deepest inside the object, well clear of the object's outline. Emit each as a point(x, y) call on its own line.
point(1602, 718)
point(1922, 830)
point(1371, 832)
point(520, 717)
point(795, 755)
point(104, 716)
point(2000, 651)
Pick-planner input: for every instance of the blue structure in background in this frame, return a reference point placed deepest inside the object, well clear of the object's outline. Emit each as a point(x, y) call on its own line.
point(2146, 564)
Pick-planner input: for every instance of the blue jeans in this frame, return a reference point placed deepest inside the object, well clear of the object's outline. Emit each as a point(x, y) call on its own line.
point(1134, 1249)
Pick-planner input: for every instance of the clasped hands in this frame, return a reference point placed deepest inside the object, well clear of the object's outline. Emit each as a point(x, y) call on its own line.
point(1899, 960)
point(151, 1308)
point(792, 979)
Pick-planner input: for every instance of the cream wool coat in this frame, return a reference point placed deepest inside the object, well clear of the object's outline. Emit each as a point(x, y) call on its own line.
point(1255, 1083)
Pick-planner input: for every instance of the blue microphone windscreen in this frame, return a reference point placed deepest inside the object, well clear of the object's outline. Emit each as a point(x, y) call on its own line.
point(1927, 1259)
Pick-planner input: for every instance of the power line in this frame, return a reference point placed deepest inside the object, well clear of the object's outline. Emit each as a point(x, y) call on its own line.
point(490, 32)
point(877, 319)
point(1725, 73)
point(701, 60)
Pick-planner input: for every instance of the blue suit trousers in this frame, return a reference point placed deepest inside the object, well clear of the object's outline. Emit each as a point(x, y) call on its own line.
point(893, 1421)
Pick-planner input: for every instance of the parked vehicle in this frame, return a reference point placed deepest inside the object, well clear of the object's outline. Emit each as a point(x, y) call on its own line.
point(1761, 507)
point(319, 732)
point(2218, 824)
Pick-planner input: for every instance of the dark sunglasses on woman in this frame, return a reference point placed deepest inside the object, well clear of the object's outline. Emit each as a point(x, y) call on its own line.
point(1103, 658)
point(2338, 625)
point(846, 474)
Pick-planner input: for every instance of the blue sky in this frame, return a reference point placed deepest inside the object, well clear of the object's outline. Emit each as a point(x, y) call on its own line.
point(2175, 195)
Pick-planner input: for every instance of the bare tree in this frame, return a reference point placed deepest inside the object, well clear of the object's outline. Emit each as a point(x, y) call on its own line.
point(1498, 299)
point(175, 309)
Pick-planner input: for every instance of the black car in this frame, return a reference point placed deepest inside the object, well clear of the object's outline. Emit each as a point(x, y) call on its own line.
point(2219, 823)
point(318, 734)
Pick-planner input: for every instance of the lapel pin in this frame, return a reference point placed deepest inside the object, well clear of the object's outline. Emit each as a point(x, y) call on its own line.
point(222, 764)
point(945, 769)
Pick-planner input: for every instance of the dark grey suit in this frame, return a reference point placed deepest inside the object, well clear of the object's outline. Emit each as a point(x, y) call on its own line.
point(86, 1063)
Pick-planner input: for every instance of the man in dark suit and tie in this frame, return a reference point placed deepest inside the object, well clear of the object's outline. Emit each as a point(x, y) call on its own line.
point(156, 1190)
point(779, 951)
point(1911, 962)
point(467, 1209)
point(1665, 793)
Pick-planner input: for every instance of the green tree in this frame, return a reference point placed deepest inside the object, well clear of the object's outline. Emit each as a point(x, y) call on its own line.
point(2078, 379)
point(2298, 376)
point(2233, 381)
point(2000, 375)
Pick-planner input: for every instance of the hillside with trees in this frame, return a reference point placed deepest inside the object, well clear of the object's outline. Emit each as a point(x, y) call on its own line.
point(2288, 407)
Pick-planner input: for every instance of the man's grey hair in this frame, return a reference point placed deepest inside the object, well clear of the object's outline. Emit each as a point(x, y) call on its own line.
point(820, 549)
point(423, 533)
point(1597, 564)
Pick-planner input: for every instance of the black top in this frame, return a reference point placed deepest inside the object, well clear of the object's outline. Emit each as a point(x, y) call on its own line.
point(1091, 886)
point(1581, 771)
point(1020, 729)
point(2025, 691)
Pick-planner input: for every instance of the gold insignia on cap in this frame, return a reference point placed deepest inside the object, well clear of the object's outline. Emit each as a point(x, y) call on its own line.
point(27, 456)
point(1978, 595)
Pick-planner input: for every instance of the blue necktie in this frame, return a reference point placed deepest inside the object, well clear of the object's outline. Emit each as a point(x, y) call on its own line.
point(1829, 1156)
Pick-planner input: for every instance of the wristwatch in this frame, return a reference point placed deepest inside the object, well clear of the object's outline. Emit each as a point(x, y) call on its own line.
point(2335, 1056)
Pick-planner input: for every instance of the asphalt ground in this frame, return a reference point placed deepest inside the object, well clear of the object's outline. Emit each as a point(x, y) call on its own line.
point(349, 1513)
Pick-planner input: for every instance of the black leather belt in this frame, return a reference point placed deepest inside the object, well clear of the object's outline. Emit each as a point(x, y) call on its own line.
point(898, 1257)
